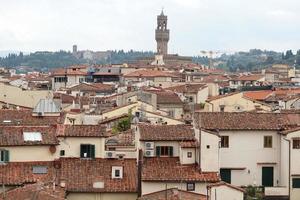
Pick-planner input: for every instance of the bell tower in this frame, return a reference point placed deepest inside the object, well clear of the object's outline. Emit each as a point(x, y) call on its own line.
point(162, 34)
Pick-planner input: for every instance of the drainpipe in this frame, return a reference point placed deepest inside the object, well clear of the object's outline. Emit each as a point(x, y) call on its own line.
point(140, 163)
point(289, 141)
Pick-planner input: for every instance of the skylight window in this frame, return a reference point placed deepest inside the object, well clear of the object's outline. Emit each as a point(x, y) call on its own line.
point(39, 169)
point(32, 136)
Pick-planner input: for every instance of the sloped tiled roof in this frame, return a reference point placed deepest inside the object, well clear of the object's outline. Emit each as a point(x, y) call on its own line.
point(38, 190)
point(13, 135)
point(187, 88)
point(24, 117)
point(149, 73)
point(245, 120)
point(166, 97)
point(221, 96)
point(252, 77)
point(96, 87)
point(125, 138)
point(82, 131)
point(258, 95)
point(173, 194)
point(178, 132)
point(68, 72)
point(18, 173)
point(170, 169)
point(80, 174)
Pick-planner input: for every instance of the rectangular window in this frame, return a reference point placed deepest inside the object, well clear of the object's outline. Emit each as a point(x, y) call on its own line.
point(62, 152)
point(225, 175)
point(267, 141)
point(4, 156)
point(189, 154)
point(39, 169)
point(296, 143)
point(87, 151)
point(117, 172)
point(296, 182)
point(224, 141)
point(60, 79)
point(164, 151)
point(32, 136)
point(190, 186)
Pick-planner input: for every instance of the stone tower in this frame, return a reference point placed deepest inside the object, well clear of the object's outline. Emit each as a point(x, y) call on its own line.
point(162, 34)
point(74, 49)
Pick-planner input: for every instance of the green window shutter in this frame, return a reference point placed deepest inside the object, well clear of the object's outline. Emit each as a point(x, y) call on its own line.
point(6, 156)
point(82, 148)
point(2, 156)
point(157, 151)
point(170, 151)
point(92, 151)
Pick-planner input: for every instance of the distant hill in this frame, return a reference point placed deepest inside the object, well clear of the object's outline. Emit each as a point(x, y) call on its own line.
point(6, 53)
point(254, 59)
point(45, 60)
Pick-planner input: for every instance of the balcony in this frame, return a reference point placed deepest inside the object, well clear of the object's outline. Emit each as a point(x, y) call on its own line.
point(276, 193)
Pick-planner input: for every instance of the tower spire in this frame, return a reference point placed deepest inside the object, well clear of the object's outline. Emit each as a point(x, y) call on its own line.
point(162, 34)
point(162, 11)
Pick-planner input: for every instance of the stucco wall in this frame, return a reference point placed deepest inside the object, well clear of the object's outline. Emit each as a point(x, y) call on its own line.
point(71, 145)
point(246, 150)
point(120, 111)
point(209, 152)
point(101, 196)
point(11, 95)
point(30, 153)
point(225, 193)
point(184, 158)
point(202, 95)
point(234, 103)
point(149, 187)
point(174, 144)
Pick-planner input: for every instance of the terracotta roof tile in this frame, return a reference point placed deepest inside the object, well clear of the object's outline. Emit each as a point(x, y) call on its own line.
point(125, 138)
point(68, 72)
point(189, 144)
point(149, 73)
point(82, 131)
point(92, 87)
point(187, 88)
point(166, 132)
point(18, 173)
point(98, 170)
point(170, 169)
point(25, 118)
point(254, 77)
point(258, 95)
point(221, 96)
point(37, 190)
point(166, 97)
point(245, 120)
point(13, 135)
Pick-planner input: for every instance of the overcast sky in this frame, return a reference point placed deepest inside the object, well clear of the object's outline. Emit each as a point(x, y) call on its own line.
point(195, 25)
